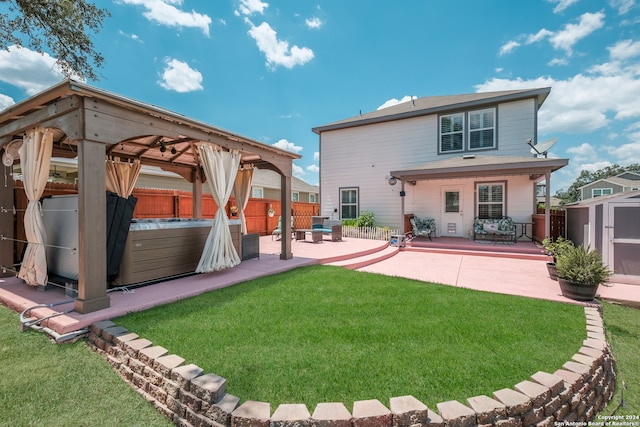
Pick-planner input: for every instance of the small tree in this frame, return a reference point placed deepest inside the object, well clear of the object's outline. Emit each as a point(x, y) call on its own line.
point(64, 26)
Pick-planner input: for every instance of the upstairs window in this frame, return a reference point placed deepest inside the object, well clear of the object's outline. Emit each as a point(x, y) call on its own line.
point(474, 130)
point(295, 197)
point(452, 133)
point(481, 129)
point(312, 197)
point(596, 192)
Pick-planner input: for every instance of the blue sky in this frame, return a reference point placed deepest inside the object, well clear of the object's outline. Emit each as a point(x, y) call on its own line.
point(273, 70)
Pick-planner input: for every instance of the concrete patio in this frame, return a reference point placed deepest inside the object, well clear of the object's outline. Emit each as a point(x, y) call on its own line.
point(465, 264)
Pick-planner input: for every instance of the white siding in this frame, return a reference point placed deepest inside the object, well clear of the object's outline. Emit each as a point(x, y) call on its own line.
point(363, 156)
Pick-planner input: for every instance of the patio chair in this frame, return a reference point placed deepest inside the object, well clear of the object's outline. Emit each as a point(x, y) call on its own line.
point(422, 227)
point(278, 230)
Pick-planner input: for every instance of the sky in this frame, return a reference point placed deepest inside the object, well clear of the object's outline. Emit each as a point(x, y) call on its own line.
point(271, 71)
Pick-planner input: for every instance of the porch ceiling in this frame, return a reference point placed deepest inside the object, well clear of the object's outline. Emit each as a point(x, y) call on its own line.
point(130, 130)
point(480, 166)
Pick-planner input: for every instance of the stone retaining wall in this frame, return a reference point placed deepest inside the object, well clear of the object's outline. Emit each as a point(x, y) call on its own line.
point(190, 397)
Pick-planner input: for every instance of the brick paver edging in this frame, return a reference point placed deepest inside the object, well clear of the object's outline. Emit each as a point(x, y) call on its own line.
point(189, 397)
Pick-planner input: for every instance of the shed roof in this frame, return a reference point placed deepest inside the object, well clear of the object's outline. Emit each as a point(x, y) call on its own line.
point(436, 104)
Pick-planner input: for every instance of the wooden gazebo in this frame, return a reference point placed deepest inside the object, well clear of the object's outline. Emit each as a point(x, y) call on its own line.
point(92, 124)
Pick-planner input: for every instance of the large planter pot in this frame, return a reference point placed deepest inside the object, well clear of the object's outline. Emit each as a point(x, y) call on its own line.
point(551, 268)
point(577, 291)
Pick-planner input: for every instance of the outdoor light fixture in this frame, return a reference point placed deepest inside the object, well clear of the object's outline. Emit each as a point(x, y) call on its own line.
point(392, 180)
point(173, 150)
point(163, 147)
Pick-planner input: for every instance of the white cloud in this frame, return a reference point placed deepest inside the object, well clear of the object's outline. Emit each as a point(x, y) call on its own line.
point(313, 23)
point(165, 12)
point(316, 156)
point(5, 101)
point(623, 6)
point(573, 33)
point(289, 146)
point(28, 70)
point(277, 52)
point(178, 76)
point(391, 102)
point(297, 171)
point(562, 4)
point(624, 49)
point(508, 47)
point(626, 153)
point(249, 7)
point(583, 153)
point(313, 168)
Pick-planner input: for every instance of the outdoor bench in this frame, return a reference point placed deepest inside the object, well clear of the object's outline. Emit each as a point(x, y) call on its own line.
point(502, 229)
point(330, 227)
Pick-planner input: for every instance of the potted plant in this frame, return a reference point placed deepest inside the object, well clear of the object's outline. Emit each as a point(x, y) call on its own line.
point(555, 248)
point(580, 272)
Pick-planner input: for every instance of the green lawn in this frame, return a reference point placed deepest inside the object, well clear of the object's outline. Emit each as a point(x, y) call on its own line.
point(325, 334)
point(622, 325)
point(317, 334)
point(44, 384)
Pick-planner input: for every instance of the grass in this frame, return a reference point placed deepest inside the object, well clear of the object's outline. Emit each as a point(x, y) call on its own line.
point(325, 334)
point(44, 384)
point(623, 334)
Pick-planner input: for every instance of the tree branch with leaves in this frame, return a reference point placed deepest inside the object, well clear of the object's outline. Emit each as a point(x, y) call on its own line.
point(65, 27)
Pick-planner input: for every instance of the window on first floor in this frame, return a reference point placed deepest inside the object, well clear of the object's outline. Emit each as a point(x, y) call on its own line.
point(348, 203)
point(312, 198)
point(596, 192)
point(257, 192)
point(491, 200)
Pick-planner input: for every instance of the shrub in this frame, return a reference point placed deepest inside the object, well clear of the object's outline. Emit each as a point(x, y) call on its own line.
point(582, 266)
point(365, 219)
point(557, 247)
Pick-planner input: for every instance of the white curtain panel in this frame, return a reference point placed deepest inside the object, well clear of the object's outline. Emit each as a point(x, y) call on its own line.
point(122, 176)
point(242, 192)
point(35, 160)
point(220, 168)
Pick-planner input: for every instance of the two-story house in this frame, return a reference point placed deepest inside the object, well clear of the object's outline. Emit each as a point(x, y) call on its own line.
point(621, 183)
point(450, 158)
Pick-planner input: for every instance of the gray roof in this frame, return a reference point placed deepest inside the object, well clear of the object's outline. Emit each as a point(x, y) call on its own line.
point(436, 104)
point(624, 182)
point(472, 165)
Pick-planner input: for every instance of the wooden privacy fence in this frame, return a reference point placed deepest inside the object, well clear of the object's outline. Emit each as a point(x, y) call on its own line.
point(153, 203)
point(558, 224)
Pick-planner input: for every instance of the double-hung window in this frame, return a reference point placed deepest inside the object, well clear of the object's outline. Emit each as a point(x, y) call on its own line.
point(482, 129)
point(474, 130)
point(491, 203)
point(452, 133)
point(348, 203)
point(257, 192)
point(295, 196)
point(312, 197)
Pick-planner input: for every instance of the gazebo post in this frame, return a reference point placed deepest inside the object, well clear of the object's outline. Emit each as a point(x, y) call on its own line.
point(287, 211)
point(92, 225)
point(196, 194)
point(6, 226)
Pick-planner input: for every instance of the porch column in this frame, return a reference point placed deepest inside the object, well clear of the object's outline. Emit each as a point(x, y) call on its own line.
point(196, 194)
point(6, 225)
point(285, 203)
point(547, 204)
point(92, 224)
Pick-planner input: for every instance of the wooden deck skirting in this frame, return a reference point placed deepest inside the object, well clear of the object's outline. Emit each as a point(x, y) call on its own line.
point(577, 392)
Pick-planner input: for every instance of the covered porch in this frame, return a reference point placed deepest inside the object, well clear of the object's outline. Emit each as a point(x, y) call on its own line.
point(456, 190)
point(93, 125)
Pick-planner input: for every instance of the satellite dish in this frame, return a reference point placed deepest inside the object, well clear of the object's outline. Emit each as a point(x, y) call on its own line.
point(11, 152)
point(542, 147)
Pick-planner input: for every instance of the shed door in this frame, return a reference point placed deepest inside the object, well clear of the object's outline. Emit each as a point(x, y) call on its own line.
point(624, 238)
